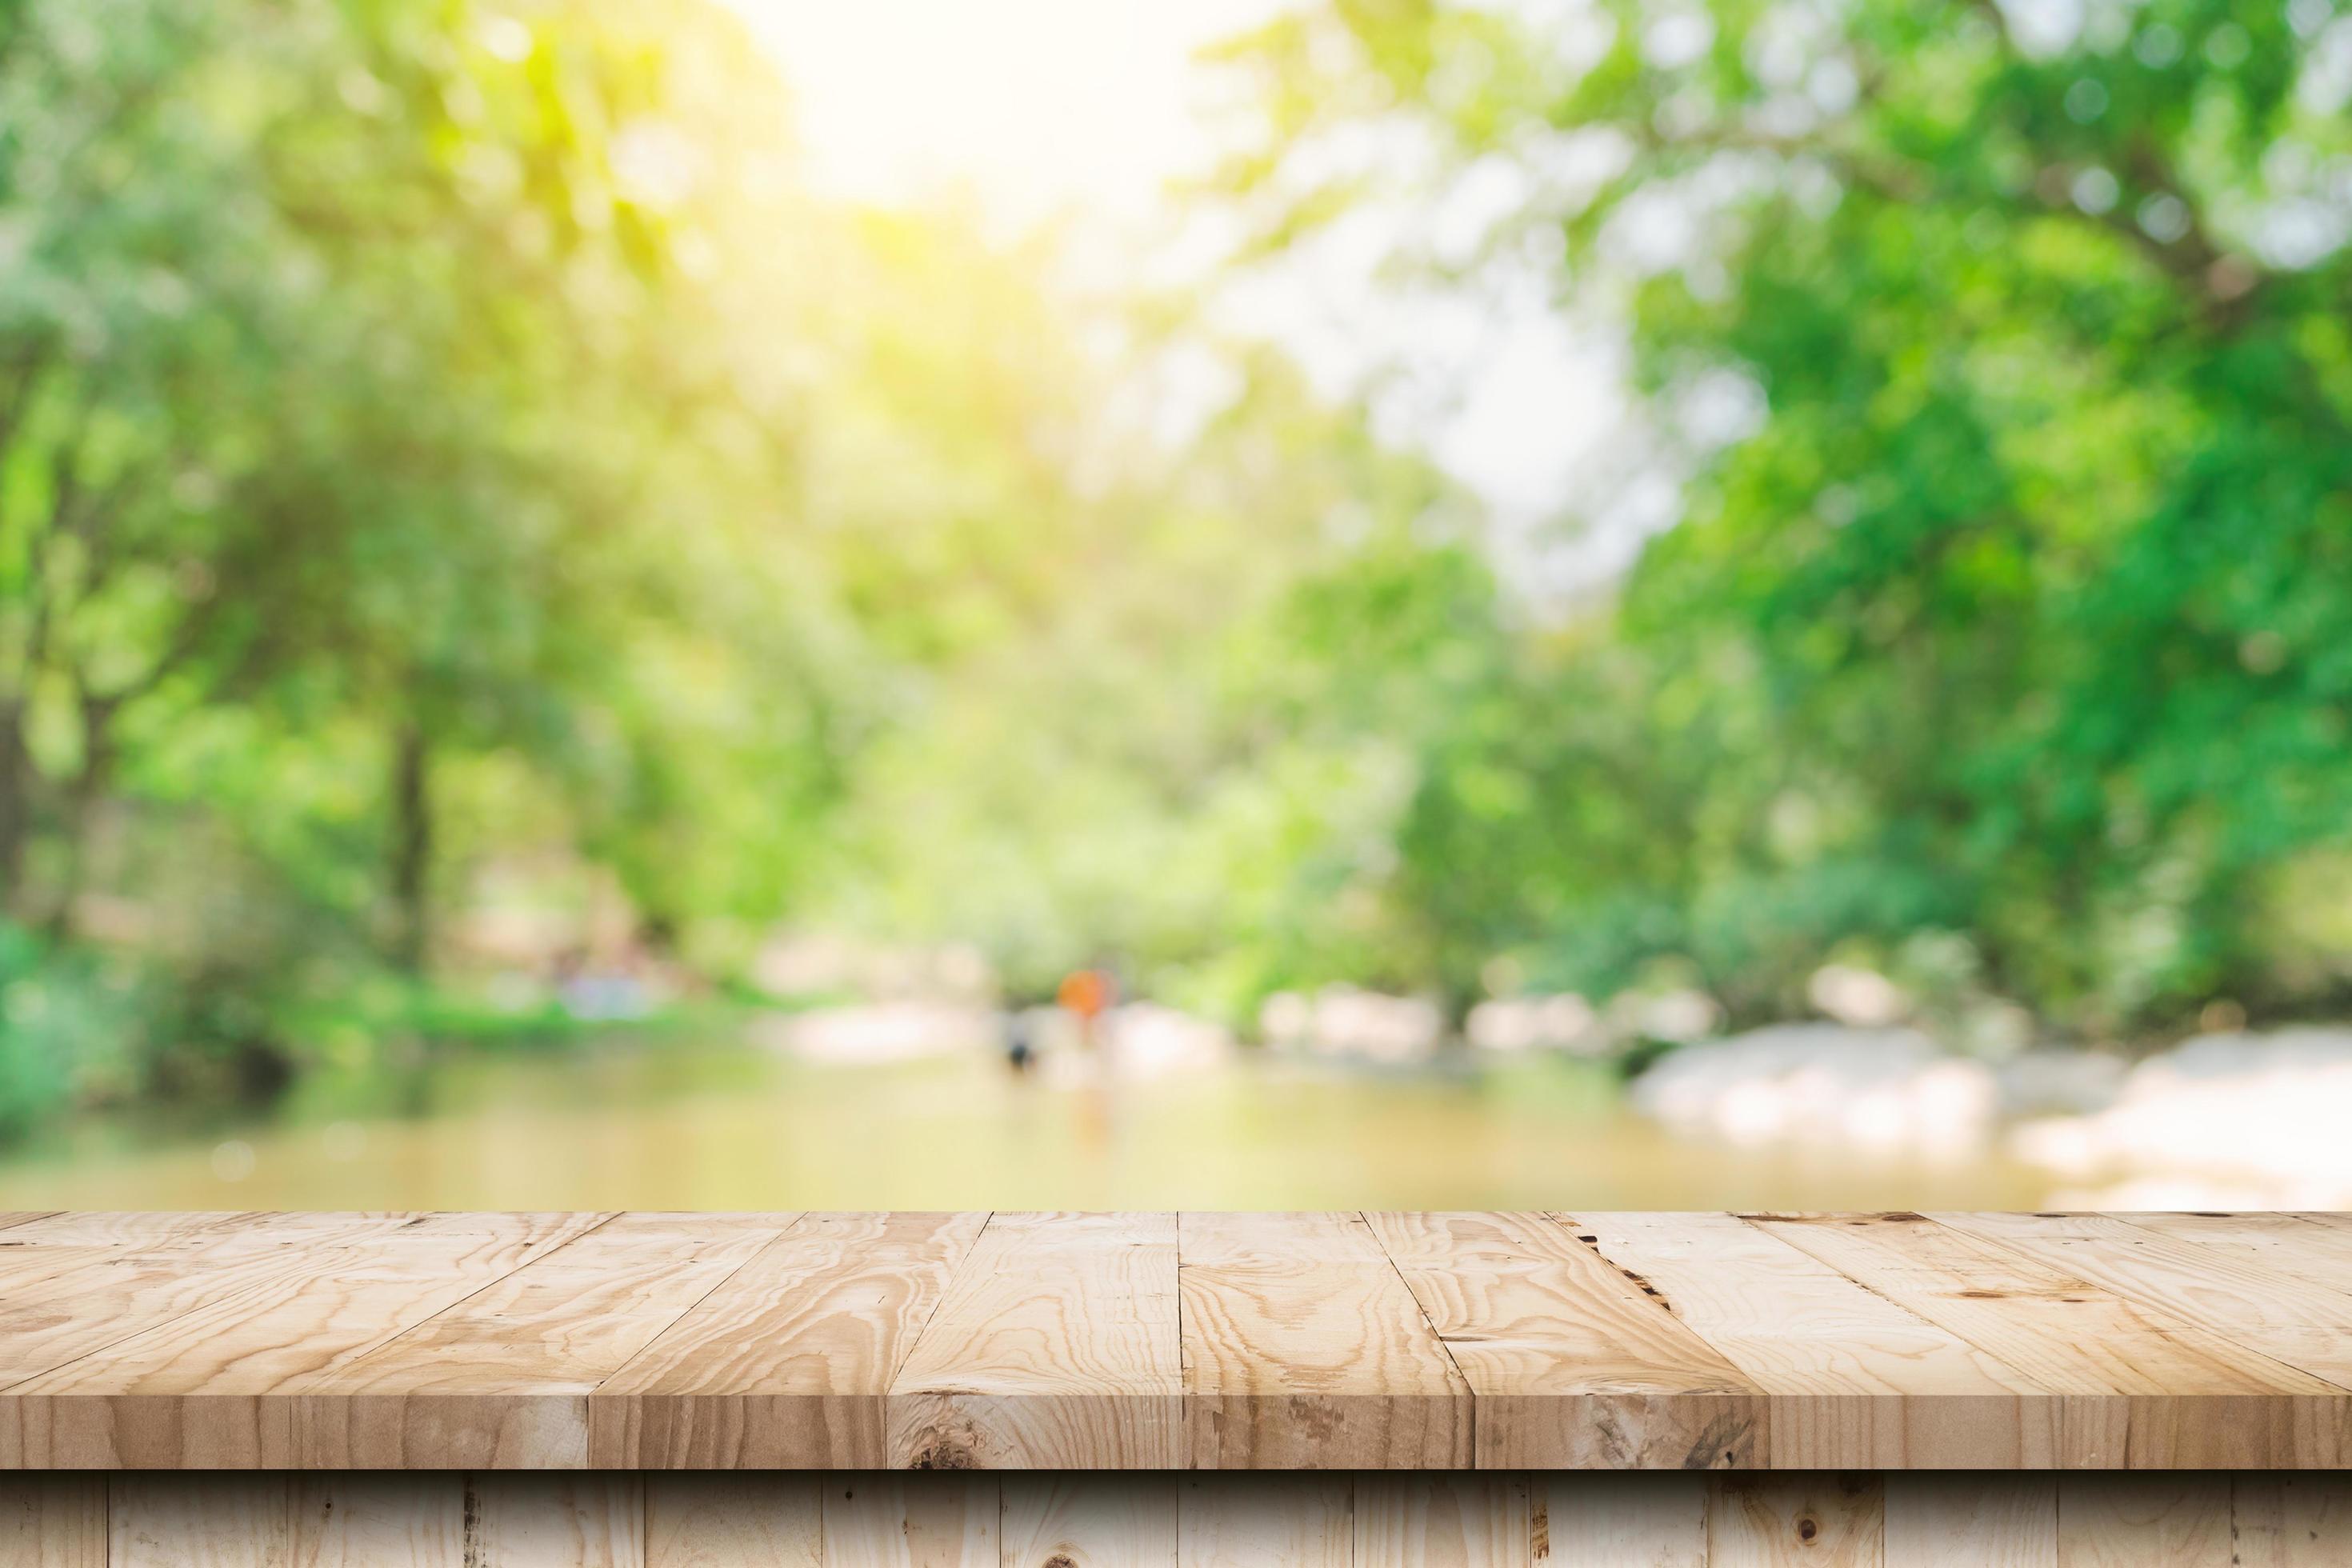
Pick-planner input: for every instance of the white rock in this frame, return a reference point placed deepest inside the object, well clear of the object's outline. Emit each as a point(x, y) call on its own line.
point(1863, 998)
point(1564, 1022)
point(1884, 1089)
point(1147, 1040)
point(1349, 1022)
point(2270, 1112)
point(883, 1032)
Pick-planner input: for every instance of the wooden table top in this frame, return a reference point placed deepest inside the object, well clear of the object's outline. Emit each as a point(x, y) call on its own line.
point(1165, 1341)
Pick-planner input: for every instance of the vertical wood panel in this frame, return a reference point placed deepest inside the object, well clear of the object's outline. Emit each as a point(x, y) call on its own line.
point(2143, 1521)
point(2291, 1521)
point(1814, 1520)
point(1634, 1519)
point(1971, 1521)
point(521, 1520)
point(1113, 1520)
point(734, 1521)
point(380, 1521)
point(53, 1520)
point(200, 1521)
point(1300, 1519)
point(1442, 1520)
point(912, 1520)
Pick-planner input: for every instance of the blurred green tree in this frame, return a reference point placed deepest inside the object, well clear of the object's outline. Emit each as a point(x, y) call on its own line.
point(2012, 599)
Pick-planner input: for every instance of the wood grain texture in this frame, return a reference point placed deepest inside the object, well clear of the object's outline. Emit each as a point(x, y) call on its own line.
point(2067, 1333)
point(1304, 1347)
point(2270, 1306)
point(721, 1519)
point(1326, 1341)
point(1087, 1519)
point(200, 1521)
point(2309, 1244)
point(787, 1363)
point(1235, 1520)
point(1852, 1379)
point(1572, 1364)
point(499, 1379)
point(1796, 1522)
point(2143, 1521)
point(1964, 1521)
point(53, 1520)
point(1428, 1520)
point(1641, 1520)
point(396, 1520)
point(1091, 1519)
point(79, 1284)
point(1055, 1345)
point(304, 1310)
point(914, 1521)
point(2291, 1522)
point(555, 1520)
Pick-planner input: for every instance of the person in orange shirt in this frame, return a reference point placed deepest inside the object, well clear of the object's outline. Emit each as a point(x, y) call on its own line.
point(1086, 995)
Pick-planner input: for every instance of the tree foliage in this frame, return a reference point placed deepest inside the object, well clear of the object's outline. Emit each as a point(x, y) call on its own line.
point(2019, 613)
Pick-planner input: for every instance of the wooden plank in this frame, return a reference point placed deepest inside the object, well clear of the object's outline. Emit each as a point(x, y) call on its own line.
point(549, 1520)
point(2306, 1243)
point(1336, 1340)
point(911, 1521)
point(122, 1228)
point(1304, 1347)
point(319, 1306)
point(203, 1387)
point(2072, 1336)
point(2116, 1521)
point(734, 1521)
point(1785, 1521)
point(494, 1380)
point(200, 1521)
point(1571, 1364)
point(1946, 1521)
point(77, 1284)
point(380, 1521)
point(1055, 1346)
point(1439, 1521)
point(1815, 1341)
point(2278, 1312)
point(51, 1520)
point(1626, 1520)
point(786, 1365)
point(2291, 1522)
point(1296, 1520)
point(1095, 1520)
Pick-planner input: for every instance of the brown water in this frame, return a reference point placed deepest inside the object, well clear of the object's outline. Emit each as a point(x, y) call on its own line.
point(668, 1127)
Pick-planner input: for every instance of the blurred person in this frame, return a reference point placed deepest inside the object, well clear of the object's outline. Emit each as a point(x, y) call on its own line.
point(1020, 1043)
point(1086, 995)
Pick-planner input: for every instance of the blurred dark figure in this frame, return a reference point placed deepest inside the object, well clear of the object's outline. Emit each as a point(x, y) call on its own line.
point(1020, 1050)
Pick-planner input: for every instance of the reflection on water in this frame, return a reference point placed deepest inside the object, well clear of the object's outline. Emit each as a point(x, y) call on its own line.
point(666, 1126)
